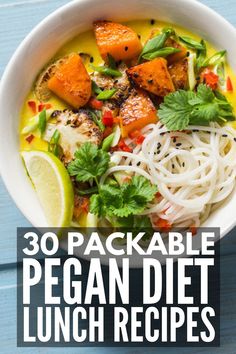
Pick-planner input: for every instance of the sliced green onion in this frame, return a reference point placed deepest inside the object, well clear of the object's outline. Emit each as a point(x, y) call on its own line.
point(215, 59)
point(34, 122)
point(157, 42)
point(117, 135)
point(220, 71)
point(42, 121)
point(106, 94)
point(107, 142)
point(97, 120)
point(201, 55)
point(95, 88)
point(163, 52)
point(111, 61)
point(55, 138)
point(106, 71)
point(53, 144)
point(191, 71)
point(191, 43)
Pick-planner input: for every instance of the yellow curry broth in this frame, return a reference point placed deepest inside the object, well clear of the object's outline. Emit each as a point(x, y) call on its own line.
point(86, 43)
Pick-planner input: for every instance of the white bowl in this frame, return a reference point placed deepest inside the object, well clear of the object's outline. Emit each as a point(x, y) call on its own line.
point(45, 40)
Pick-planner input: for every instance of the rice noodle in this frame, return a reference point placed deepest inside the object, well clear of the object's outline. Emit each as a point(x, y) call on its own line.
point(194, 170)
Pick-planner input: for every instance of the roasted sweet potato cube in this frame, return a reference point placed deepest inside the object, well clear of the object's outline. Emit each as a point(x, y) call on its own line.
point(176, 56)
point(152, 76)
point(71, 82)
point(120, 41)
point(136, 112)
point(179, 74)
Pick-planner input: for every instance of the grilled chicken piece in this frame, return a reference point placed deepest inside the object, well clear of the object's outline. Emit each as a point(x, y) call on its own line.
point(122, 85)
point(75, 129)
point(179, 74)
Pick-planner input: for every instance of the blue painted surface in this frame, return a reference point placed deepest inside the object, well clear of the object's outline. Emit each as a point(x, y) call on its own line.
point(17, 18)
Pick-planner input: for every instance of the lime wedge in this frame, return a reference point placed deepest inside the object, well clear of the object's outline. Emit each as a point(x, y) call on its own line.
point(52, 185)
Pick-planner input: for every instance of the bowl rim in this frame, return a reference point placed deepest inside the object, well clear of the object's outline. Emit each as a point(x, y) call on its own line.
point(36, 31)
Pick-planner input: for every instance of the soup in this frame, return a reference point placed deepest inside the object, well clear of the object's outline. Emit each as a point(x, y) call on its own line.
point(141, 115)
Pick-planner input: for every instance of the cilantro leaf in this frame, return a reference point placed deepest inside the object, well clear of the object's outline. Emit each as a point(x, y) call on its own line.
point(175, 111)
point(135, 221)
point(183, 108)
point(121, 201)
point(89, 163)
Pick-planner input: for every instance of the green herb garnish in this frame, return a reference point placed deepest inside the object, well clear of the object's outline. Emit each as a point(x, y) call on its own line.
point(96, 117)
point(183, 108)
point(53, 145)
point(90, 163)
point(106, 71)
point(107, 142)
point(121, 201)
point(201, 55)
point(163, 52)
point(111, 61)
point(157, 42)
point(215, 59)
point(191, 43)
point(95, 88)
point(42, 121)
point(106, 94)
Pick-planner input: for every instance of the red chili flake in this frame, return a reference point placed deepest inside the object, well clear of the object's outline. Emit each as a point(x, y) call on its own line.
point(158, 195)
point(123, 146)
point(163, 225)
point(32, 105)
point(211, 79)
point(140, 140)
point(43, 106)
point(107, 119)
point(95, 104)
point(229, 85)
point(29, 138)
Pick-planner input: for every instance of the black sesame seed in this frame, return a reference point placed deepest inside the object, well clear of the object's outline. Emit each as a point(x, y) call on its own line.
point(161, 126)
point(139, 36)
point(152, 22)
point(183, 164)
point(139, 163)
point(224, 135)
point(167, 155)
point(162, 134)
point(188, 54)
point(126, 48)
point(234, 139)
point(179, 144)
point(91, 59)
point(116, 81)
point(173, 166)
point(195, 130)
point(174, 140)
point(68, 122)
point(158, 146)
point(221, 189)
point(158, 152)
point(150, 81)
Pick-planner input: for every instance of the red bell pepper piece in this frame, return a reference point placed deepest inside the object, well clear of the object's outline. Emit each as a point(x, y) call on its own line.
point(33, 107)
point(95, 104)
point(211, 79)
point(107, 119)
point(43, 106)
point(30, 138)
point(229, 85)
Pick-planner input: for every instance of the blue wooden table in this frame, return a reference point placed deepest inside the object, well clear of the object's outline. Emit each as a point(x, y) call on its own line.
point(17, 18)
